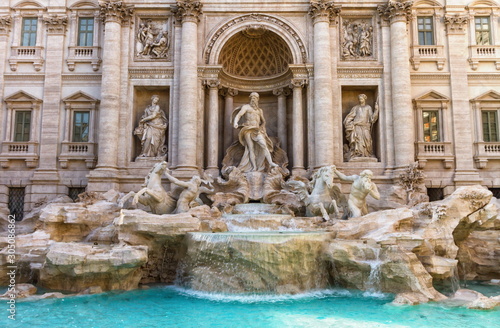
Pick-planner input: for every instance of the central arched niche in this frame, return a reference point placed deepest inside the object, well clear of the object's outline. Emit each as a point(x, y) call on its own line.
point(255, 53)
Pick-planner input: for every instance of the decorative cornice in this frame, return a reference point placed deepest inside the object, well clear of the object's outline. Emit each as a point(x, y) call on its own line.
point(396, 10)
point(25, 77)
point(455, 24)
point(188, 10)
point(347, 73)
point(82, 77)
point(323, 10)
point(115, 11)
point(5, 23)
point(151, 73)
point(258, 18)
point(56, 24)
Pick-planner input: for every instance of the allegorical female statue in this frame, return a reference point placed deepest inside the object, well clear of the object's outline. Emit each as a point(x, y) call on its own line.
point(151, 130)
point(358, 129)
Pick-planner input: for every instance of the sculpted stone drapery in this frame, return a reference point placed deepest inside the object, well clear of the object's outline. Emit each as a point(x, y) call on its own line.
point(151, 130)
point(358, 128)
point(253, 136)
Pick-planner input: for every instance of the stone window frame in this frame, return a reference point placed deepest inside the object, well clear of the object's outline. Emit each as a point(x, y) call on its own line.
point(427, 53)
point(79, 151)
point(23, 150)
point(84, 54)
point(425, 150)
point(27, 54)
point(485, 151)
point(484, 53)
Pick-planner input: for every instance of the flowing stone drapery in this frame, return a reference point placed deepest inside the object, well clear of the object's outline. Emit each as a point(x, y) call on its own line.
point(298, 127)
point(113, 14)
point(321, 12)
point(465, 173)
point(189, 12)
point(213, 127)
point(398, 13)
point(282, 93)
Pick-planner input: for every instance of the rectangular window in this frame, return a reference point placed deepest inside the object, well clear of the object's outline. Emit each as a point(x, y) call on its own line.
point(28, 36)
point(73, 192)
point(16, 203)
point(431, 126)
point(425, 31)
point(483, 31)
point(490, 127)
point(85, 32)
point(23, 126)
point(81, 126)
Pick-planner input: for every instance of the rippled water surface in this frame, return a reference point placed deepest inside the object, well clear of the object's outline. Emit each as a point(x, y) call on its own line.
point(172, 307)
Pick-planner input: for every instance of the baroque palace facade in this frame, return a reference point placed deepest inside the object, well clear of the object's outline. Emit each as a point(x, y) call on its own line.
point(78, 78)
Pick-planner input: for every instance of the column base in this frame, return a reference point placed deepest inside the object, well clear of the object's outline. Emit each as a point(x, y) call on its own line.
point(45, 186)
point(185, 172)
point(467, 178)
point(214, 172)
point(103, 179)
point(299, 172)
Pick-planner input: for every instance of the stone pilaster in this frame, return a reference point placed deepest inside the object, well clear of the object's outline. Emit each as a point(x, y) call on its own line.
point(228, 95)
point(213, 127)
point(113, 14)
point(298, 168)
point(189, 12)
point(322, 11)
point(46, 177)
point(282, 93)
point(5, 26)
point(398, 13)
point(465, 173)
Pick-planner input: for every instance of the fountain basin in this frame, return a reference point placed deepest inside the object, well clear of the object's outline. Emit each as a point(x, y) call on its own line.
point(256, 262)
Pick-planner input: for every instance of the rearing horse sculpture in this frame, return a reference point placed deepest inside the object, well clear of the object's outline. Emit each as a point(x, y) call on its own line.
point(322, 200)
point(153, 194)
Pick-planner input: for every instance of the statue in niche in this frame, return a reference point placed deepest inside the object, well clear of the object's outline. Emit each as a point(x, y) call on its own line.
point(253, 136)
point(357, 39)
point(151, 41)
point(151, 130)
point(358, 129)
point(361, 187)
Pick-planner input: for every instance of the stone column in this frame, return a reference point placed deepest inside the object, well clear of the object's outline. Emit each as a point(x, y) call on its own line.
point(189, 11)
point(229, 95)
point(5, 26)
point(213, 127)
point(398, 13)
point(298, 128)
point(46, 177)
point(282, 93)
point(321, 12)
point(103, 178)
point(113, 14)
point(465, 172)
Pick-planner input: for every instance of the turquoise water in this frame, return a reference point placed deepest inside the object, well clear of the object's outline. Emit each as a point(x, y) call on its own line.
point(170, 307)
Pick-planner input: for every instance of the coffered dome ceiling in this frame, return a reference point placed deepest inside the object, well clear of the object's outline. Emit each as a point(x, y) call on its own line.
point(255, 52)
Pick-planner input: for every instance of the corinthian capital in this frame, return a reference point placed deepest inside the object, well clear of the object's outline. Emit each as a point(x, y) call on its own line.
point(323, 10)
point(455, 24)
point(188, 10)
point(5, 22)
point(115, 11)
point(56, 24)
point(396, 10)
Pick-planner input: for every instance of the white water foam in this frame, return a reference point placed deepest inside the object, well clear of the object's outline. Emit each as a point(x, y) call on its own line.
point(261, 298)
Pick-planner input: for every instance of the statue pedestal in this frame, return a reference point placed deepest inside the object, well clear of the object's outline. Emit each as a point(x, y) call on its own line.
point(256, 183)
point(363, 160)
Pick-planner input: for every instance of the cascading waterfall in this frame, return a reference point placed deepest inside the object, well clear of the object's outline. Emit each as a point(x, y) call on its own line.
point(373, 282)
point(257, 262)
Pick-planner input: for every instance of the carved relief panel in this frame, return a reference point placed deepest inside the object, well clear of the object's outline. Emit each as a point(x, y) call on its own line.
point(153, 38)
point(357, 39)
